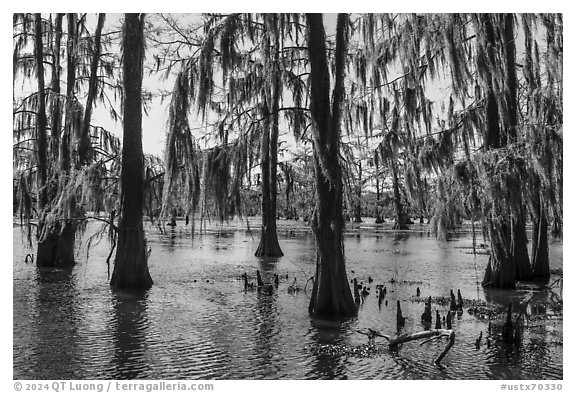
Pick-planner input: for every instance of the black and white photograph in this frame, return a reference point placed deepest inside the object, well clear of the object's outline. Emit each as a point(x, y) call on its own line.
point(286, 196)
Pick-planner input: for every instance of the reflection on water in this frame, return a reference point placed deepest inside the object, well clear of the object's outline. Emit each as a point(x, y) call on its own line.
point(130, 325)
point(198, 321)
point(54, 309)
point(332, 365)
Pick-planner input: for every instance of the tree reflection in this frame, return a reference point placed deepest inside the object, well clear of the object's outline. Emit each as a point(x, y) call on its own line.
point(130, 325)
point(54, 342)
point(267, 331)
point(329, 362)
point(507, 360)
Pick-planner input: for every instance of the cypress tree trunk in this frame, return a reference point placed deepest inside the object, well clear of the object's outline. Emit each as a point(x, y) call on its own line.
point(557, 224)
point(131, 262)
point(269, 246)
point(492, 132)
point(71, 104)
point(57, 109)
point(509, 253)
point(172, 222)
point(57, 246)
point(50, 253)
point(540, 260)
point(63, 235)
point(331, 295)
point(511, 81)
point(520, 258)
point(290, 212)
point(85, 145)
point(401, 223)
point(379, 218)
point(64, 238)
point(41, 121)
point(358, 201)
point(46, 251)
point(499, 272)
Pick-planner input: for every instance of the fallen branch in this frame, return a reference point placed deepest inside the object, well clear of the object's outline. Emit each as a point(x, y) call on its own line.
point(427, 335)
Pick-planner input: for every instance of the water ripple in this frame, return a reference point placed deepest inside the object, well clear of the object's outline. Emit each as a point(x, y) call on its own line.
point(197, 322)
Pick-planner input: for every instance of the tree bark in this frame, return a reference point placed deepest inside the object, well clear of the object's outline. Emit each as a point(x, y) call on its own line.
point(509, 253)
point(71, 104)
point(85, 145)
point(41, 121)
point(57, 109)
point(57, 247)
point(45, 253)
point(269, 246)
point(540, 259)
point(401, 222)
point(358, 201)
point(511, 81)
point(131, 262)
point(492, 132)
point(49, 252)
point(331, 296)
point(379, 218)
point(520, 258)
point(499, 271)
point(61, 241)
point(172, 222)
point(557, 223)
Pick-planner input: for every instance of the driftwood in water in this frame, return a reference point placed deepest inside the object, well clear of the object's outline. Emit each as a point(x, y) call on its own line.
point(427, 335)
point(449, 321)
point(460, 301)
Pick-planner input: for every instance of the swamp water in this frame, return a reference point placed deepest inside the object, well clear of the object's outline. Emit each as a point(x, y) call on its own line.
point(197, 322)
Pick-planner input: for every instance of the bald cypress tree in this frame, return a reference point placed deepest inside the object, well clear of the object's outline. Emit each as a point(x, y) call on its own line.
point(131, 262)
point(53, 143)
point(331, 295)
